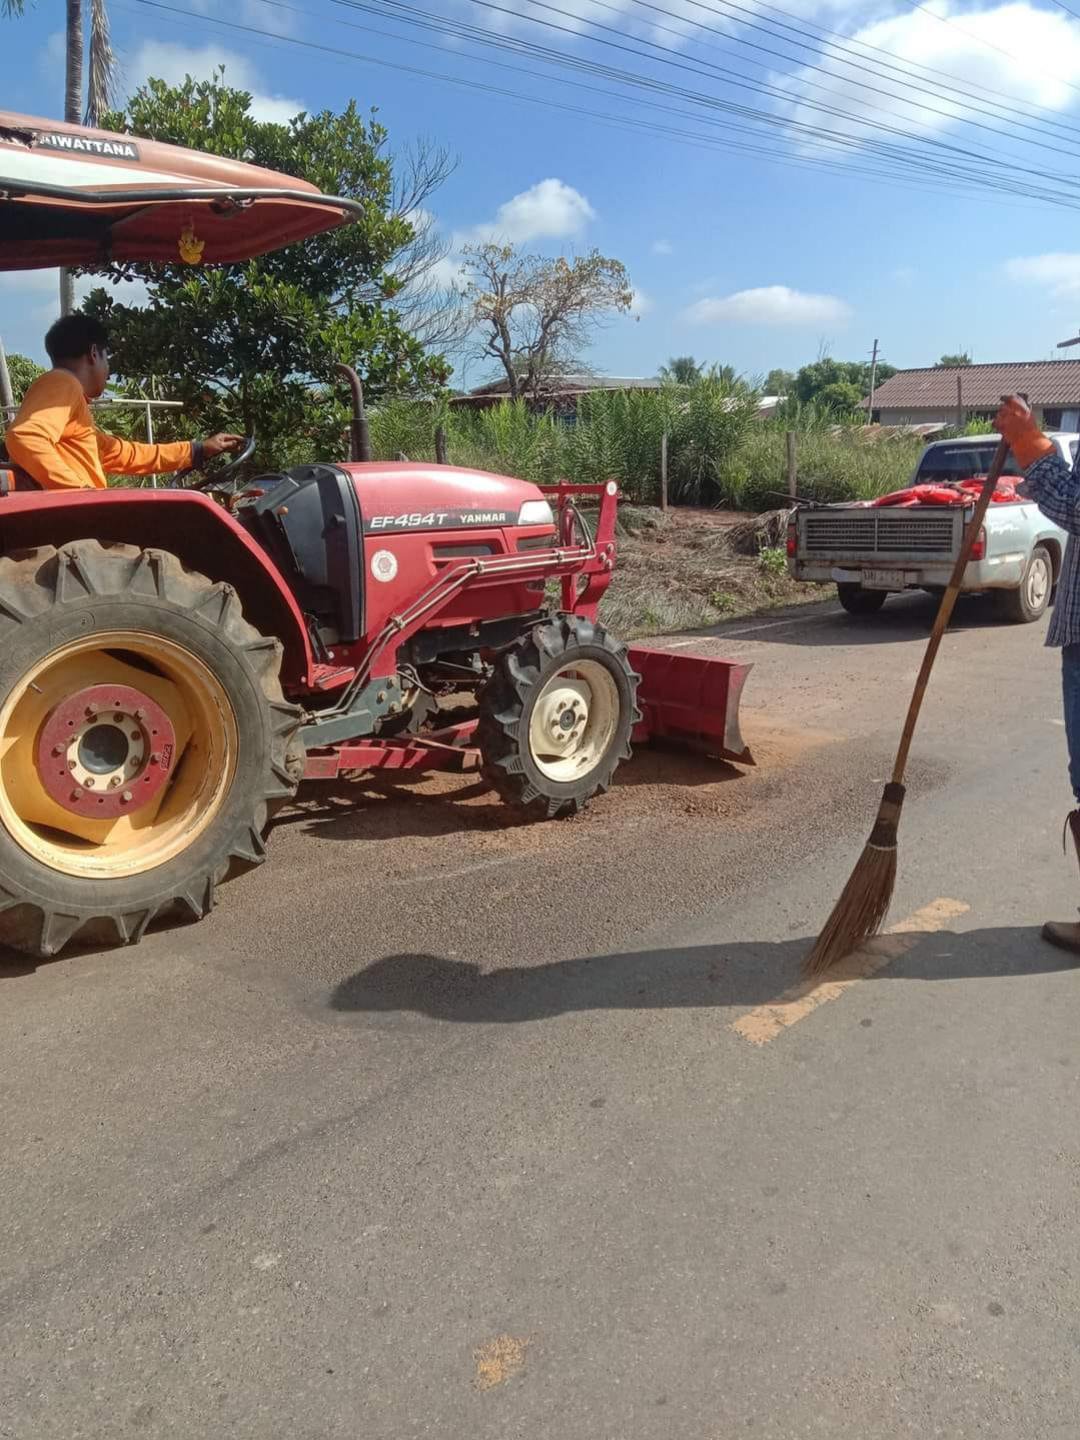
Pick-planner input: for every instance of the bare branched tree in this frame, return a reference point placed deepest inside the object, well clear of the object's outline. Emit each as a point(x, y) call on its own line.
point(428, 300)
point(534, 316)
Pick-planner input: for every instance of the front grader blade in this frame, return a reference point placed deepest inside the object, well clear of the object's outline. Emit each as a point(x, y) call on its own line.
point(691, 700)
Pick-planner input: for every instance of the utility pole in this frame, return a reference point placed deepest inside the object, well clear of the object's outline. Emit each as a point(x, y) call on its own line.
point(873, 384)
point(959, 401)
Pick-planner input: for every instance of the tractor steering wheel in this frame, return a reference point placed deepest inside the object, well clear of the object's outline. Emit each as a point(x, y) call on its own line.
point(213, 478)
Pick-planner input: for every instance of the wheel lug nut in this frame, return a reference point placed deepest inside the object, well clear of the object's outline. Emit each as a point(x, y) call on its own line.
point(58, 749)
point(155, 758)
point(89, 783)
point(90, 711)
point(140, 714)
point(76, 794)
point(126, 797)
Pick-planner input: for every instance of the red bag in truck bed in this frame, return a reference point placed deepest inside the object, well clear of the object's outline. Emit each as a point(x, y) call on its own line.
point(962, 493)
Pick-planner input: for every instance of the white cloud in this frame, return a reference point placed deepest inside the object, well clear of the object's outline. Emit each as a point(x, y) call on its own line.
point(640, 304)
point(1057, 272)
point(171, 63)
point(663, 247)
point(770, 305)
point(1013, 51)
point(549, 210)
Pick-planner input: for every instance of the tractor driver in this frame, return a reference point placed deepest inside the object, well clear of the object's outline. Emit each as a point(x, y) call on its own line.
point(53, 438)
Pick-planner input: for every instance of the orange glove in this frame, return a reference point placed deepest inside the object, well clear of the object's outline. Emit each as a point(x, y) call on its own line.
point(1015, 423)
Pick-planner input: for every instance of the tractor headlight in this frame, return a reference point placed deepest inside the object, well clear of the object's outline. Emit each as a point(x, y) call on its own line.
point(535, 512)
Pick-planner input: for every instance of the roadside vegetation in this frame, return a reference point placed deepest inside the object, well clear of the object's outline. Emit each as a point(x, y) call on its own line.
point(720, 454)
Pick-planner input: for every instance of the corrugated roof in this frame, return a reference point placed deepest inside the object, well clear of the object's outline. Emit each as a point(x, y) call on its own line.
point(1044, 382)
point(565, 384)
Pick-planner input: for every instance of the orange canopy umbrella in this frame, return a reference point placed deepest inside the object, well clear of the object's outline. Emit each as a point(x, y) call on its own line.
point(80, 197)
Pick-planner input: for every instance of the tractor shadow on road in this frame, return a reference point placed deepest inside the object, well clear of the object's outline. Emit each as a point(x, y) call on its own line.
point(745, 974)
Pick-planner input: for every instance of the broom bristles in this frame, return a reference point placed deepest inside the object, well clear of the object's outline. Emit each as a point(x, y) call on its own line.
point(864, 902)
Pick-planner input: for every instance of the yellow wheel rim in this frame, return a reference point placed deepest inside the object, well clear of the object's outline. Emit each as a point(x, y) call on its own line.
point(573, 721)
point(156, 829)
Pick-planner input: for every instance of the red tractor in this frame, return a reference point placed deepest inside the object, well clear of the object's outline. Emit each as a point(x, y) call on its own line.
point(174, 662)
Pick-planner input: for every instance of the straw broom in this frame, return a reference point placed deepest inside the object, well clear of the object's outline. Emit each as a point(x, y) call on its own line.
point(864, 903)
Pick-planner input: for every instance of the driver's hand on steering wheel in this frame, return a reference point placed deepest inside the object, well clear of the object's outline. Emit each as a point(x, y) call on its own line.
point(215, 445)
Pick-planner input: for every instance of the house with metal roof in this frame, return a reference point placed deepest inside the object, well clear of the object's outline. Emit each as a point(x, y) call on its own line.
point(560, 392)
point(940, 395)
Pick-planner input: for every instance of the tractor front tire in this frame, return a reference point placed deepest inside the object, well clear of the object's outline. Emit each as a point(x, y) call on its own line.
point(556, 717)
point(144, 741)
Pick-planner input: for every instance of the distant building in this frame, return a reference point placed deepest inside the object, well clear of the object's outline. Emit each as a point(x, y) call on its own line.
point(924, 397)
point(561, 393)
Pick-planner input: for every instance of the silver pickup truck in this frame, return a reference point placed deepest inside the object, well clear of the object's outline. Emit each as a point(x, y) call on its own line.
point(872, 552)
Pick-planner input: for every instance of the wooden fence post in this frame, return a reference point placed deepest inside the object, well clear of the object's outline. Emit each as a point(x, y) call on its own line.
point(663, 471)
point(792, 465)
point(440, 445)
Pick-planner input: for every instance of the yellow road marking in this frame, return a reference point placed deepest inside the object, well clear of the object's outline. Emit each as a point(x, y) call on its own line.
point(767, 1021)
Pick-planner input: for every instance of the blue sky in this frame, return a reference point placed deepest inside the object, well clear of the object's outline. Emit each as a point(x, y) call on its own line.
point(734, 258)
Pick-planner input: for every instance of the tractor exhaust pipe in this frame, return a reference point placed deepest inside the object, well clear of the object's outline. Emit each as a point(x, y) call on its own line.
point(360, 440)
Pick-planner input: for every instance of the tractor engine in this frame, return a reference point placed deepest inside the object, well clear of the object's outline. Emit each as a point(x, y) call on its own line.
point(359, 542)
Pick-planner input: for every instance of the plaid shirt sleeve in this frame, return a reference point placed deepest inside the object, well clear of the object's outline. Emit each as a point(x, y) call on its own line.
point(1054, 485)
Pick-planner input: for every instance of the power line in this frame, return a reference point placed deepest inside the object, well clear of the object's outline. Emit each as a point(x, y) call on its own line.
point(981, 40)
point(426, 19)
point(839, 54)
point(732, 77)
point(951, 171)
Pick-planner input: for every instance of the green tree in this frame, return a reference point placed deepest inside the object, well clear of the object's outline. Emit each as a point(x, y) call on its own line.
point(534, 316)
point(681, 370)
point(727, 376)
point(779, 382)
point(23, 373)
point(252, 346)
point(822, 374)
point(953, 362)
point(839, 398)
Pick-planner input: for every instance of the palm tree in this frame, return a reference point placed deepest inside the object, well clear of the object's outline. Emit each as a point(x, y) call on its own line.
point(102, 79)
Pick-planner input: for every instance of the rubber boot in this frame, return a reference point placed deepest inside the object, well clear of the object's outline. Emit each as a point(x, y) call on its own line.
point(1066, 934)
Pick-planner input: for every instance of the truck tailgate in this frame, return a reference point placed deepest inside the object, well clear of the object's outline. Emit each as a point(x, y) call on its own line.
point(883, 536)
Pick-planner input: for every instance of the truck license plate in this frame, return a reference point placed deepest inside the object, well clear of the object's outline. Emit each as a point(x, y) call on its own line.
point(883, 579)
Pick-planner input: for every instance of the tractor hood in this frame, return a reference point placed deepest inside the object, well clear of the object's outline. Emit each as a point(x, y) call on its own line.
point(407, 497)
point(80, 197)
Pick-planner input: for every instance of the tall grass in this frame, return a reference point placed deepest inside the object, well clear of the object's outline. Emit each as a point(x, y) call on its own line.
point(719, 453)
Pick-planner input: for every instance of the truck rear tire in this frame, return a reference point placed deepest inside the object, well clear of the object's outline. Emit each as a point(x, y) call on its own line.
point(1028, 602)
point(144, 739)
point(557, 716)
point(857, 601)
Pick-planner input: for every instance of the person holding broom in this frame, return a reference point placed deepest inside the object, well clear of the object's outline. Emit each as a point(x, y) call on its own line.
point(1054, 486)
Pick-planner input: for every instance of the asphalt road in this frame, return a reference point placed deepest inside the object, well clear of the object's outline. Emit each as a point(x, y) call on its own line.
point(439, 1128)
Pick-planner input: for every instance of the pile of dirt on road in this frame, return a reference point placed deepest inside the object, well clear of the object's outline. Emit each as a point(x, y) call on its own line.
point(688, 569)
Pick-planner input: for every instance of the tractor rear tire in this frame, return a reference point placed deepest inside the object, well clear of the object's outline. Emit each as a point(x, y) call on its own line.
point(167, 712)
point(557, 716)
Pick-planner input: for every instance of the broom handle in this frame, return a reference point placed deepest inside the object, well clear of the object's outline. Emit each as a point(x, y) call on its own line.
point(945, 609)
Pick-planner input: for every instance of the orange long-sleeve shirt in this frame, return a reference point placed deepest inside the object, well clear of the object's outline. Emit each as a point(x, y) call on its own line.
point(54, 439)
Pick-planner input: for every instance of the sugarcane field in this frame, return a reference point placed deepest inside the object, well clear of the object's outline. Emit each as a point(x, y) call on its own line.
point(539, 873)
